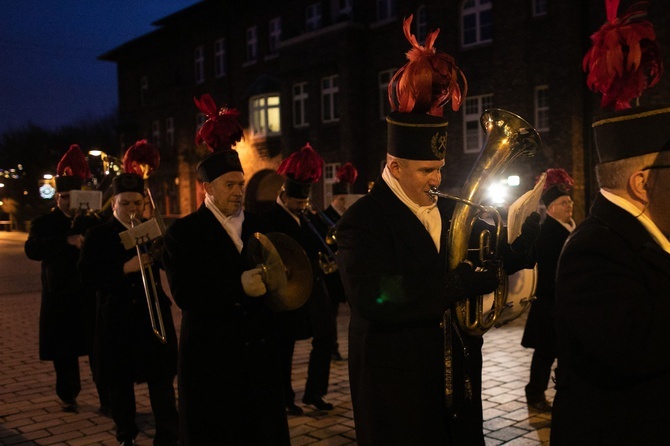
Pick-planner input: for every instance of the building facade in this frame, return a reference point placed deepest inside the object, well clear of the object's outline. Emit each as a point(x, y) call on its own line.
point(317, 71)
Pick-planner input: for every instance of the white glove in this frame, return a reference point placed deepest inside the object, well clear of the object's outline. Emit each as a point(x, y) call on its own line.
point(252, 282)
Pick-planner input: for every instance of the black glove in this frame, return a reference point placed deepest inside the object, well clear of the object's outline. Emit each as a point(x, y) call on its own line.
point(464, 282)
point(530, 231)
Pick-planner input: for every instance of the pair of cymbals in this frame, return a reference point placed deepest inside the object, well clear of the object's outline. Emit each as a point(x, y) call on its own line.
point(287, 271)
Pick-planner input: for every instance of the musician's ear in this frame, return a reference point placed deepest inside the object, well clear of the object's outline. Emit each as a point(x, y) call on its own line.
point(394, 167)
point(637, 186)
point(207, 187)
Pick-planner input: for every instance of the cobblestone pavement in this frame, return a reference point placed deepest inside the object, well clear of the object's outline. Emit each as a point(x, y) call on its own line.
point(30, 413)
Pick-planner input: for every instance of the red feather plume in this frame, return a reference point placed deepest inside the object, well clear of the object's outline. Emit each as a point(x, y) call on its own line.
point(222, 129)
point(141, 158)
point(74, 163)
point(346, 173)
point(558, 176)
point(304, 165)
point(625, 58)
point(428, 81)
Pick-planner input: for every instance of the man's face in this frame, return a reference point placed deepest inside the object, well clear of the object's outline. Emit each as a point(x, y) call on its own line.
point(126, 204)
point(561, 209)
point(227, 191)
point(340, 202)
point(658, 189)
point(63, 202)
point(417, 177)
point(295, 205)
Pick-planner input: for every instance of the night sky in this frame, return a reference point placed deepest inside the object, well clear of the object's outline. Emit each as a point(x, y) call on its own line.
point(49, 71)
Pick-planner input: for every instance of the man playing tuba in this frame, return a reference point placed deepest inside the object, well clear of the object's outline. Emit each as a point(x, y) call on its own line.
point(392, 257)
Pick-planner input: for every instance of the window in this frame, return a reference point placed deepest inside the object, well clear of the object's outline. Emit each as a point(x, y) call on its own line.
point(300, 96)
point(385, 10)
point(341, 8)
point(477, 22)
point(264, 115)
point(219, 58)
point(313, 17)
point(540, 7)
point(169, 132)
point(274, 32)
point(421, 24)
point(329, 96)
point(156, 133)
point(329, 178)
point(199, 64)
point(144, 89)
point(542, 108)
point(473, 134)
point(252, 44)
point(384, 80)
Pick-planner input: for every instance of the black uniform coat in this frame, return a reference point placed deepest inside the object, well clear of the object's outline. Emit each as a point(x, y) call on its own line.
point(66, 314)
point(125, 343)
point(612, 306)
point(316, 314)
point(540, 333)
point(334, 281)
point(230, 389)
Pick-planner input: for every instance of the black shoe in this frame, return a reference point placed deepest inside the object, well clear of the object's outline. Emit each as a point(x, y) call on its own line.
point(69, 406)
point(335, 356)
point(317, 402)
point(539, 406)
point(293, 409)
point(104, 410)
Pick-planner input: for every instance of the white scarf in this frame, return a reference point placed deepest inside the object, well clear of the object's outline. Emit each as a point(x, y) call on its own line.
point(647, 222)
point(232, 224)
point(570, 226)
point(429, 215)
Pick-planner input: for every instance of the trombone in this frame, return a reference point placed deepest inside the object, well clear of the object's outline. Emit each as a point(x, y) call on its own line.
point(150, 291)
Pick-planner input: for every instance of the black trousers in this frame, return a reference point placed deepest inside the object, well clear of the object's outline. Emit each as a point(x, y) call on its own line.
point(68, 380)
point(163, 405)
point(540, 372)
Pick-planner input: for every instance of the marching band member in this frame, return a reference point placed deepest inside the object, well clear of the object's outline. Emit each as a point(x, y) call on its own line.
point(392, 255)
point(129, 351)
point(314, 319)
point(67, 312)
point(230, 388)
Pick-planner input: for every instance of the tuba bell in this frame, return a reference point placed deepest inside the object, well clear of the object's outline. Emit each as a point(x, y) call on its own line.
point(508, 137)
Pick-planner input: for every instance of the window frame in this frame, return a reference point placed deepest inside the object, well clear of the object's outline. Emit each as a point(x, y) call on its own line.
point(199, 64)
point(220, 58)
point(300, 100)
point(259, 107)
point(541, 108)
point(476, 9)
point(251, 44)
point(384, 105)
point(274, 35)
point(330, 98)
point(313, 17)
point(482, 103)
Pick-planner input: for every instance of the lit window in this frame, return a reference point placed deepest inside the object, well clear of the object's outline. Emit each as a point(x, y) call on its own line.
point(329, 99)
point(220, 58)
point(274, 32)
point(252, 44)
point(264, 115)
point(542, 108)
point(477, 22)
point(384, 80)
point(199, 64)
point(313, 17)
point(473, 134)
point(300, 96)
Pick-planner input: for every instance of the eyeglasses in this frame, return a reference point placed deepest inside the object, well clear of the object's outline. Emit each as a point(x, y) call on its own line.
point(660, 166)
point(565, 203)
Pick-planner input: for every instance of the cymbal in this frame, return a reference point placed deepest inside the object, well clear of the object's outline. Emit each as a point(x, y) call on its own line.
point(287, 271)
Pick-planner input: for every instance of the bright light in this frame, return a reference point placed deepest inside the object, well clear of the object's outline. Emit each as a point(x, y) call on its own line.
point(497, 193)
point(95, 152)
point(513, 180)
point(48, 176)
point(2, 184)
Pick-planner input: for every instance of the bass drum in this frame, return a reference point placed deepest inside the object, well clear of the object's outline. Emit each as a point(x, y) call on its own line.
point(520, 288)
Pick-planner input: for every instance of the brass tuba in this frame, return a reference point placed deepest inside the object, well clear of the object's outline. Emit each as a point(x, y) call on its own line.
point(508, 137)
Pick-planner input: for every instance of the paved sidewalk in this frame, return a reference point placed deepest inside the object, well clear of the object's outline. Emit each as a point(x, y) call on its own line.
point(30, 412)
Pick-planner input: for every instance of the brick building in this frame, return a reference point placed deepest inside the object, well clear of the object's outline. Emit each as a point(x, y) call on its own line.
point(316, 71)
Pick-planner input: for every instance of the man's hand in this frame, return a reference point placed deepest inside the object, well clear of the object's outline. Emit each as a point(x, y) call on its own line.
point(75, 240)
point(530, 231)
point(252, 282)
point(464, 282)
